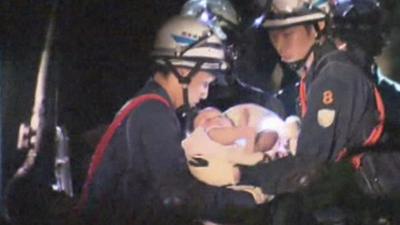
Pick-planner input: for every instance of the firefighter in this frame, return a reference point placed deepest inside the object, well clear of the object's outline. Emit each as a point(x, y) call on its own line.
point(138, 173)
point(339, 106)
point(361, 27)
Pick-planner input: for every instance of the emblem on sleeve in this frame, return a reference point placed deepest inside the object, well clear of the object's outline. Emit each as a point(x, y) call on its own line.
point(327, 97)
point(326, 117)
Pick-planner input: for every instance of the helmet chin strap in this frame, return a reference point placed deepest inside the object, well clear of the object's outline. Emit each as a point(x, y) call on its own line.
point(295, 66)
point(185, 81)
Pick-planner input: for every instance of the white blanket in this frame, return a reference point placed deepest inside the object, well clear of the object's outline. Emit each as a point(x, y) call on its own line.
point(216, 164)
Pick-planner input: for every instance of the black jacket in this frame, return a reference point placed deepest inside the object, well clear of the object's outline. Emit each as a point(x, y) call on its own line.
point(143, 177)
point(341, 113)
point(238, 92)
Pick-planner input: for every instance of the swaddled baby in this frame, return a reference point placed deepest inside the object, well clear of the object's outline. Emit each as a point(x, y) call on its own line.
point(245, 134)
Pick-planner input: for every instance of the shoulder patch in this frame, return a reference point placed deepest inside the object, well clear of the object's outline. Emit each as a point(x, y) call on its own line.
point(326, 117)
point(327, 97)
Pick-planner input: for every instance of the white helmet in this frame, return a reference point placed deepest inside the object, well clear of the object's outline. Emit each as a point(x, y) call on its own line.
point(187, 42)
point(282, 13)
point(219, 14)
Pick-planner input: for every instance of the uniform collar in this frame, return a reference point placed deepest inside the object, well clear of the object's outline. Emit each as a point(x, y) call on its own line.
point(304, 70)
point(318, 53)
point(153, 87)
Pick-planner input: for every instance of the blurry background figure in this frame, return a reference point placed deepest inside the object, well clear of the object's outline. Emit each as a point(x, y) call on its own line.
point(389, 59)
point(362, 27)
point(226, 23)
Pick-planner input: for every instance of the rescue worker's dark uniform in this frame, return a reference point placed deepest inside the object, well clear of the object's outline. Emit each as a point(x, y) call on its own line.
point(237, 92)
point(143, 177)
point(342, 107)
point(340, 111)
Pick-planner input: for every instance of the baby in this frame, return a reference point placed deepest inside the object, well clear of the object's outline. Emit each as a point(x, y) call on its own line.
point(221, 141)
point(220, 128)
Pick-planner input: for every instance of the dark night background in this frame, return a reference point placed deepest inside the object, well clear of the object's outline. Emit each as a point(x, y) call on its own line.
point(99, 57)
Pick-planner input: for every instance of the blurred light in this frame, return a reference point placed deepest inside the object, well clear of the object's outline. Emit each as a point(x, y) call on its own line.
point(205, 17)
point(382, 77)
point(258, 21)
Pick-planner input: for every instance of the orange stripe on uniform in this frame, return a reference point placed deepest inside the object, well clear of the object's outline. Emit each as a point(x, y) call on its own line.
point(303, 97)
point(376, 132)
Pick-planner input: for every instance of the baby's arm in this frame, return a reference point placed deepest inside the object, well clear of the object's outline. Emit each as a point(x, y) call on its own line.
point(229, 135)
point(238, 155)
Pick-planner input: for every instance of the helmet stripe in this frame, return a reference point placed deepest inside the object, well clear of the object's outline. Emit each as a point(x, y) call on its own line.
point(182, 40)
point(270, 23)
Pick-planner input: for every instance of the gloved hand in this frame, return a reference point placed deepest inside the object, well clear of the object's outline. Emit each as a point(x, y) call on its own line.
point(291, 132)
point(259, 196)
point(285, 175)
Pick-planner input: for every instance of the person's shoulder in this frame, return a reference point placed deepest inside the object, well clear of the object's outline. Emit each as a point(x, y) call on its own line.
point(338, 65)
point(333, 58)
point(147, 106)
point(248, 89)
point(327, 53)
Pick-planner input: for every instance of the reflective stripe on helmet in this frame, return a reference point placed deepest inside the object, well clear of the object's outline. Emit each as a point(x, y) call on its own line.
point(184, 41)
point(283, 13)
point(290, 21)
point(207, 65)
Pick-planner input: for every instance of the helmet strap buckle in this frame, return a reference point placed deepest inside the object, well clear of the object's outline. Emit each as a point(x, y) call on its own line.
point(185, 80)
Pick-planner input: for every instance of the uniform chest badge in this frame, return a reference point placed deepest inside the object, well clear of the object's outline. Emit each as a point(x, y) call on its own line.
point(326, 117)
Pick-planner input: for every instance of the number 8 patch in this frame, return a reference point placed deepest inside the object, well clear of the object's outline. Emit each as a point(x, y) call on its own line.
point(327, 97)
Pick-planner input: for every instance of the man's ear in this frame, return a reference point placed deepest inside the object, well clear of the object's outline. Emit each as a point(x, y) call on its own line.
point(321, 25)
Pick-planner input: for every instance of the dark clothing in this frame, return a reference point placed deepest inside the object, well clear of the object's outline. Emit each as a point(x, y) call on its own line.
point(340, 112)
point(288, 91)
point(341, 107)
point(289, 95)
point(391, 99)
point(143, 177)
point(239, 92)
point(390, 95)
